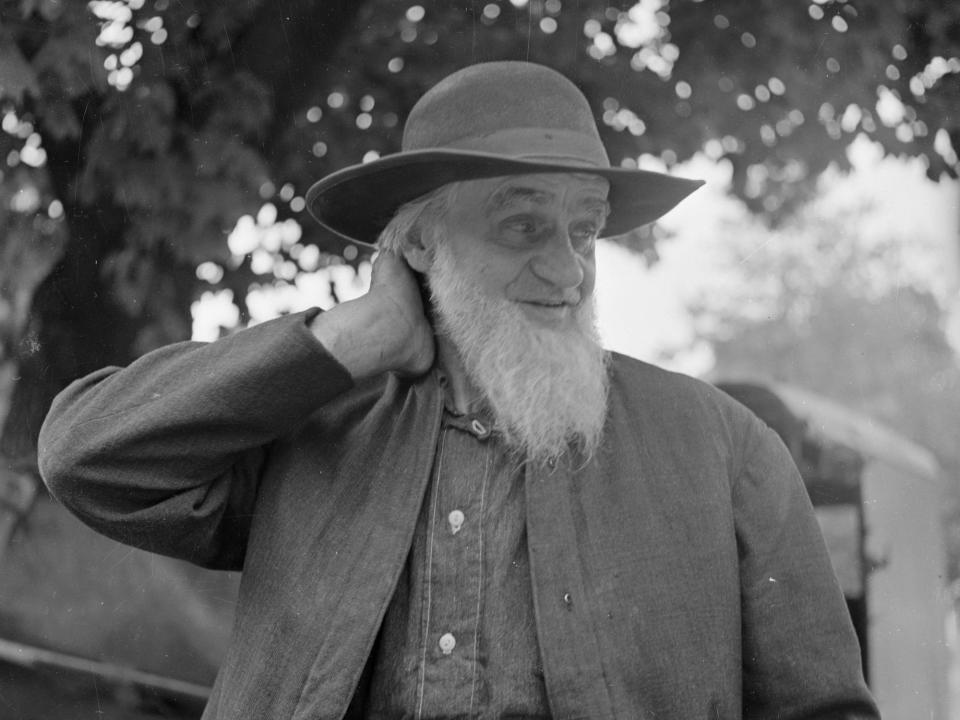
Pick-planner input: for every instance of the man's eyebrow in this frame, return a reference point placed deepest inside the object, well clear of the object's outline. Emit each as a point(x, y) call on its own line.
point(595, 203)
point(511, 194)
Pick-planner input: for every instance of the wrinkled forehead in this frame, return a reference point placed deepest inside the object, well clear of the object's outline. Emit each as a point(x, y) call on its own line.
point(548, 189)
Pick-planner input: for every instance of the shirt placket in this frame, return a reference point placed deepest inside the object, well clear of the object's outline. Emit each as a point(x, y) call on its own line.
point(452, 592)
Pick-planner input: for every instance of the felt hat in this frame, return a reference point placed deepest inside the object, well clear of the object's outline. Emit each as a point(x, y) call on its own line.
point(490, 120)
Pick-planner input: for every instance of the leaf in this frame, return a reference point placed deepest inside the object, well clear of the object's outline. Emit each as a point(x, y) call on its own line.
point(150, 184)
point(17, 77)
point(217, 156)
point(144, 117)
point(221, 20)
point(59, 118)
point(49, 10)
point(215, 208)
point(236, 105)
point(70, 62)
point(129, 273)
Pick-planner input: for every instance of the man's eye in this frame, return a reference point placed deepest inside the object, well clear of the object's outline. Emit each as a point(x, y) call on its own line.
point(522, 225)
point(584, 234)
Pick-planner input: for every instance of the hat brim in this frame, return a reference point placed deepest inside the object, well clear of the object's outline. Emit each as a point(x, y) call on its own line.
point(357, 202)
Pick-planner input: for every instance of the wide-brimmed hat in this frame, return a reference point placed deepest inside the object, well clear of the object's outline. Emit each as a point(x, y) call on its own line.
point(490, 120)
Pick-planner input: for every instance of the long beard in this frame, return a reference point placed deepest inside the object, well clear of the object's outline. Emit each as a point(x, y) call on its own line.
point(547, 387)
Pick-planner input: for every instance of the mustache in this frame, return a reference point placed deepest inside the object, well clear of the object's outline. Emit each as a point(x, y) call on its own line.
point(573, 298)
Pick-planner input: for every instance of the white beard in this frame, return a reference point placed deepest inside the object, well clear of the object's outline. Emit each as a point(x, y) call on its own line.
point(546, 387)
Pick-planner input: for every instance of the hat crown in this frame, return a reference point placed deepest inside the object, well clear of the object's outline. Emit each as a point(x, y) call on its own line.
point(482, 100)
point(485, 121)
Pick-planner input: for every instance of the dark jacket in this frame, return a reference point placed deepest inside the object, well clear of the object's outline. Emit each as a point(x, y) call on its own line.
point(680, 574)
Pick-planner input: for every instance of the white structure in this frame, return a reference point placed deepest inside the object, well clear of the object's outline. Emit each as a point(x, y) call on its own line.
point(889, 551)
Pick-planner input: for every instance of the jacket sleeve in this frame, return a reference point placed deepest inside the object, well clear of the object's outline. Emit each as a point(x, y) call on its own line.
point(801, 659)
point(165, 454)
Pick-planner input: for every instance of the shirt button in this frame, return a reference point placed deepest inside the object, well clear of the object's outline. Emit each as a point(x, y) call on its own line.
point(447, 643)
point(456, 518)
point(479, 429)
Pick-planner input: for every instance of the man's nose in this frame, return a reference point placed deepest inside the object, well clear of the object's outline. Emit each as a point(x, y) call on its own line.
point(558, 265)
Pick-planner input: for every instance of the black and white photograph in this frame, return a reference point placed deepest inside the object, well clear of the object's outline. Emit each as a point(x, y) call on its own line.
point(479, 359)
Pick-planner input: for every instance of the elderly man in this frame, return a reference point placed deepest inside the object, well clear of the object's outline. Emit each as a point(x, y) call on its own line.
point(469, 509)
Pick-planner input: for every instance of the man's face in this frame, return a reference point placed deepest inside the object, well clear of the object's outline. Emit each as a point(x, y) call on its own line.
point(530, 240)
point(511, 278)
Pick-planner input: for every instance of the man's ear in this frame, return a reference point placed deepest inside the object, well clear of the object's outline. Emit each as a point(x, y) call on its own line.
point(417, 249)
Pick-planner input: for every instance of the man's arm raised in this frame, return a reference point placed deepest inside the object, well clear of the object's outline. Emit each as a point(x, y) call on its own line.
point(166, 454)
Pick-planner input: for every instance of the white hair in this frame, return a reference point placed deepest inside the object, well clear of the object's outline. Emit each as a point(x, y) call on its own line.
point(425, 214)
point(547, 387)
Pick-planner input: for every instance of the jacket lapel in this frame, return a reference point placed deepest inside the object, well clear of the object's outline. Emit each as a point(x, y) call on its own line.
point(573, 670)
point(394, 481)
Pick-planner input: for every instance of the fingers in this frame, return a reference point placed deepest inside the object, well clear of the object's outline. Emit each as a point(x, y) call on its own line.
point(390, 267)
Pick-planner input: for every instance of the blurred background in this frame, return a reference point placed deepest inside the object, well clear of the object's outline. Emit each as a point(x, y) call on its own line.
point(154, 155)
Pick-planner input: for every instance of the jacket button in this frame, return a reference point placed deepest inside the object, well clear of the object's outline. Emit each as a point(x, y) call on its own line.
point(456, 518)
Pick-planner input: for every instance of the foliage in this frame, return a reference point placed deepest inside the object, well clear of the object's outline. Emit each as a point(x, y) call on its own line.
point(136, 133)
point(777, 89)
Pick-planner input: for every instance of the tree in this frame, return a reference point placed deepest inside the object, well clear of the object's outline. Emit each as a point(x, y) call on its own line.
point(136, 133)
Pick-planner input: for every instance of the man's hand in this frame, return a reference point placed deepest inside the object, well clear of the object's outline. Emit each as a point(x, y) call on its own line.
point(386, 329)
